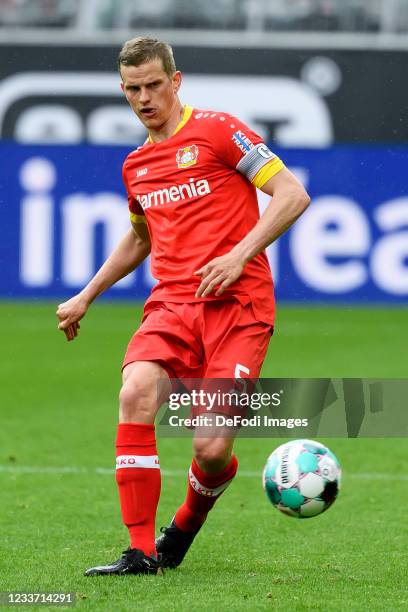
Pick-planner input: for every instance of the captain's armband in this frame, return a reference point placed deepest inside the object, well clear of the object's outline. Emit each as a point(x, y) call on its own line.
point(259, 165)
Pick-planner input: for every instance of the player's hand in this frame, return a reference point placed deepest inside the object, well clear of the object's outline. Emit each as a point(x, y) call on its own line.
point(69, 314)
point(220, 272)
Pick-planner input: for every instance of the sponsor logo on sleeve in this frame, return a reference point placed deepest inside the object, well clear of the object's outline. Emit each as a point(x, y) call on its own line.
point(242, 141)
point(187, 156)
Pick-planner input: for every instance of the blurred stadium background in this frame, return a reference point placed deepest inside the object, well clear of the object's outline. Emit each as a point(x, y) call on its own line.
point(322, 80)
point(239, 15)
point(325, 82)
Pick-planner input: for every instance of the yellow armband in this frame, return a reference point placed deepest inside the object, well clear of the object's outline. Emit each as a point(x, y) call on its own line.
point(267, 171)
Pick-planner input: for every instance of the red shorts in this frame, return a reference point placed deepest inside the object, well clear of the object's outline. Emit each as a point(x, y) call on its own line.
point(214, 339)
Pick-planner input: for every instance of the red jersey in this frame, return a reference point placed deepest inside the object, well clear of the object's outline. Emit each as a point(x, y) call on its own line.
point(197, 192)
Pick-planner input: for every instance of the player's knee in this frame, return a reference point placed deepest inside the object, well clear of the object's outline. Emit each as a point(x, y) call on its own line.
point(138, 402)
point(144, 387)
point(212, 455)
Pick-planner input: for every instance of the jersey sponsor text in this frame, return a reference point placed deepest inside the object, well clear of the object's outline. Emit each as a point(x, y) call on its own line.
point(185, 191)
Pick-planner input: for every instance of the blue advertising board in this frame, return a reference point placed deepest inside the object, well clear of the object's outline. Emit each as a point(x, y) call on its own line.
point(63, 209)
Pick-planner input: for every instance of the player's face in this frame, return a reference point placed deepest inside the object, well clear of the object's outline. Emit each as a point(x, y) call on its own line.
point(151, 93)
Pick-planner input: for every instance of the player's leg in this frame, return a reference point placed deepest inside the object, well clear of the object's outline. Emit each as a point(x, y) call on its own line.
point(162, 345)
point(137, 463)
point(233, 333)
point(167, 342)
point(145, 385)
point(212, 469)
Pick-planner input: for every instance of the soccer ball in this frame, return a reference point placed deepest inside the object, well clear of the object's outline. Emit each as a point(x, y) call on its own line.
point(302, 478)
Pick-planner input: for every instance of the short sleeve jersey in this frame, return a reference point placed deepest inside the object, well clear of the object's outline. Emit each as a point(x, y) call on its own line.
point(197, 193)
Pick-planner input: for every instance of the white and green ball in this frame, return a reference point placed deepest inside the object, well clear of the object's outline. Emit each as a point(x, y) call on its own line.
point(302, 478)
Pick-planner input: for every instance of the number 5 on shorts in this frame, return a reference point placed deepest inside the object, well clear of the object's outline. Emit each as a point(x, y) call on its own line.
point(239, 370)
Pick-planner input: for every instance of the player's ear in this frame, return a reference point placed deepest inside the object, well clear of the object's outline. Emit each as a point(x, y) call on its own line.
point(122, 86)
point(176, 80)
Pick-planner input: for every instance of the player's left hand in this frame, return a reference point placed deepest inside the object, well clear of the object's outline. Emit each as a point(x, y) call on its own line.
point(220, 272)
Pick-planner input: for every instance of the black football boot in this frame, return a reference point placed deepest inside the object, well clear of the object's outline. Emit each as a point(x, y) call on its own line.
point(132, 561)
point(173, 545)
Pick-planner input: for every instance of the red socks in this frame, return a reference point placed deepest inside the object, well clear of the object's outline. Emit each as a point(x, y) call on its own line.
point(138, 478)
point(203, 491)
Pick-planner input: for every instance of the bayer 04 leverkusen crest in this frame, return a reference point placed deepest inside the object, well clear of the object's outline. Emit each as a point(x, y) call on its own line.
point(187, 156)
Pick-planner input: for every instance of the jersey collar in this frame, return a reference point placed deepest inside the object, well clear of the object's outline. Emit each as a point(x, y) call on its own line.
point(187, 112)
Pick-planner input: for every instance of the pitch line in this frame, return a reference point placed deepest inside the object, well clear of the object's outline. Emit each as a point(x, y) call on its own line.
point(27, 469)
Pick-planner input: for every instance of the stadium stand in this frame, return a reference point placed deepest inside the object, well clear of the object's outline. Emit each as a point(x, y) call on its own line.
point(383, 16)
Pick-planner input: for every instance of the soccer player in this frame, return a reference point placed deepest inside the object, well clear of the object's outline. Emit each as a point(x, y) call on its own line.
point(192, 200)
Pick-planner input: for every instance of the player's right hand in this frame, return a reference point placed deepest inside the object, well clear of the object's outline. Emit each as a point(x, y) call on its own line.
point(69, 314)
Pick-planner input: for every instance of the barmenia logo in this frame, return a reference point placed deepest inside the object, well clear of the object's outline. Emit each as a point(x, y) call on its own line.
point(174, 193)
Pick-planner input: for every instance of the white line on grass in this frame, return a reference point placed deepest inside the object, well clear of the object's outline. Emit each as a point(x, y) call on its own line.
point(27, 469)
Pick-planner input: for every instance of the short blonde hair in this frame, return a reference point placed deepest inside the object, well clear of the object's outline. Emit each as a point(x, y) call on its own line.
point(144, 49)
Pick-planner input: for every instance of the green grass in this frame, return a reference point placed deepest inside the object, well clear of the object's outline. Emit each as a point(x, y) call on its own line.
point(59, 410)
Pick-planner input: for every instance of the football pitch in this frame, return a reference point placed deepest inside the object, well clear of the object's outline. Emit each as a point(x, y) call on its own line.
point(59, 507)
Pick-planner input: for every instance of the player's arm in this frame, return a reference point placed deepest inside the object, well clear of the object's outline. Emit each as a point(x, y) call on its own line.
point(130, 252)
point(289, 200)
